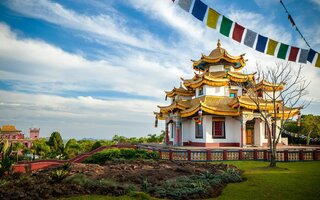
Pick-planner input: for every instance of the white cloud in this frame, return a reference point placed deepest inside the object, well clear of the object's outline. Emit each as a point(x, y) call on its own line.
point(104, 27)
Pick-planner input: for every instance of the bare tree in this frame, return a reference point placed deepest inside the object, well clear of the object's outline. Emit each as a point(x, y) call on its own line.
point(278, 95)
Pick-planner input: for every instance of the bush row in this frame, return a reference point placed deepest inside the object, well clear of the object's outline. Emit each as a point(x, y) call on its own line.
point(129, 154)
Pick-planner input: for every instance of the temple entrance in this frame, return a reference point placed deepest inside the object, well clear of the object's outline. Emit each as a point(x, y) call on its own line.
point(249, 132)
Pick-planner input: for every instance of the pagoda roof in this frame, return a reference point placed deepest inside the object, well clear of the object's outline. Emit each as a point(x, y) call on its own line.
point(216, 79)
point(9, 128)
point(218, 105)
point(264, 104)
point(267, 86)
point(217, 55)
point(180, 91)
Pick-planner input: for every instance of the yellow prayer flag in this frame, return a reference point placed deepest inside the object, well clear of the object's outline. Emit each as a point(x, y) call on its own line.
point(212, 19)
point(271, 47)
point(318, 61)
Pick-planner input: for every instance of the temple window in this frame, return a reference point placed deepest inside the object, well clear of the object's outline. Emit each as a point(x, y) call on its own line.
point(218, 128)
point(198, 129)
point(233, 93)
point(200, 91)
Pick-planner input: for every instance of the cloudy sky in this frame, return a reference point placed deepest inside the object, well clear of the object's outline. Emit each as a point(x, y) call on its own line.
point(97, 68)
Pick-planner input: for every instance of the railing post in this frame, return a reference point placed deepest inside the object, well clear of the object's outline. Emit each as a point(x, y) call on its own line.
point(224, 154)
point(300, 155)
point(209, 158)
point(314, 155)
point(189, 155)
point(160, 153)
point(240, 154)
point(265, 155)
point(255, 154)
point(286, 155)
point(170, 154)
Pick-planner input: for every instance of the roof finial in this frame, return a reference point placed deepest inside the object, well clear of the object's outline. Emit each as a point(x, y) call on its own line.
point(218, 45)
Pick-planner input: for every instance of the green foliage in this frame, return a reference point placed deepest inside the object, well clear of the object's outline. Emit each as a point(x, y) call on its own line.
point(6, 158)
point(41, 148)
point(56, 144)
point(83, 180)
point(196, 186)
point(58, 174)
point(139, 195)
point(96, 145)
point(110, 154)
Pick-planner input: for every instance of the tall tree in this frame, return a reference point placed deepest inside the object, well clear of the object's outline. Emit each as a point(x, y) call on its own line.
point(283, 94)
point(41, 148)
point(56, 144)
point(310, 126)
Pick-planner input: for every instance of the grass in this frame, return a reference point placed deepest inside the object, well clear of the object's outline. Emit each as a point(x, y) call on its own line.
point(295, 180)
point(298, 180)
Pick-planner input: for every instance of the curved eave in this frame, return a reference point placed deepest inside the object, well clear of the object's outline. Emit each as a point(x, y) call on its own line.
point(210, 82)
point(174, 93)
point(205, 59)
point(287, 114)
point(270, 88)
point(166, 109)
point(209, 110)
point(160, 116)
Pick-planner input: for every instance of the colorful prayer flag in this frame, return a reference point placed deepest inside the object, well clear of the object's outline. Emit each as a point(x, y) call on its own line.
point(282, 51)
point(250, 38)
point(226, 25)
point(311, 55)
point(272, 45)
point(212, 19)
point(261, 44)
point(293, 53)
point(303, 55)
point(237, 32)
point(185, 4)
point(199, 10)
point(318, 61)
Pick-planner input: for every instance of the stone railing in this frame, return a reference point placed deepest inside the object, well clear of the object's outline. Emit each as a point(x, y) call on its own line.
point(235, 154)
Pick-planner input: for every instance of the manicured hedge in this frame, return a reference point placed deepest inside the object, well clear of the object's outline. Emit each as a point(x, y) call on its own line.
point(129, 154)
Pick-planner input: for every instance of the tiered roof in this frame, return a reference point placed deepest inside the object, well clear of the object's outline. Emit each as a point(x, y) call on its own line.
point(216, 79)
point(180, 91)
point(219, 55)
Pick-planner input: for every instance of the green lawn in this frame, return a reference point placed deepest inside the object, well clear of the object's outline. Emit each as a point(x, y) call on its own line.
point(296, 180)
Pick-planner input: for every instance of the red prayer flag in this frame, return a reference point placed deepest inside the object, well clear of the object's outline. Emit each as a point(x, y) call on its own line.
point(293, 54)
point(237, 32)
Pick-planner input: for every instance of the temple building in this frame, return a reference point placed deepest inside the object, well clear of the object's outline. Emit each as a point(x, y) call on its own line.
point(13, 135)
point(213, 108)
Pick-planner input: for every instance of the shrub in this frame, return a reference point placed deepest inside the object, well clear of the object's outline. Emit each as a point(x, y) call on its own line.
point(58, 175)
point(129, 154)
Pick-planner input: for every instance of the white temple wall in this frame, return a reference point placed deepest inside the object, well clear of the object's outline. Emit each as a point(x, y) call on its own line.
point(232, 131)
point(216, 68)
point(214, 91)
point(186, 130)
point(258, 133)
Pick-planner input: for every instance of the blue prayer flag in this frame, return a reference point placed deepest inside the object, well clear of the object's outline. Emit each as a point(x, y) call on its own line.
point(199, 9)
point(185, 4)
point(311, 55)
point(303, 56)
point(261, 44)
point(250, 38)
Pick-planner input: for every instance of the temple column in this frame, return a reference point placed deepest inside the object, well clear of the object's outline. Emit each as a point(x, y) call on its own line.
point(178, 133)
point(167, 134)
point(243, 132)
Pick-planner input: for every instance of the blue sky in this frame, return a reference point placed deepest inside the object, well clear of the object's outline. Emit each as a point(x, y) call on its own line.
point(98, 68)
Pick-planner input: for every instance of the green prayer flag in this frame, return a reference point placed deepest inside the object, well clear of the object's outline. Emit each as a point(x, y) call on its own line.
point(226, 25)
point(271, 47)
point(283, 51)
point(212, 19)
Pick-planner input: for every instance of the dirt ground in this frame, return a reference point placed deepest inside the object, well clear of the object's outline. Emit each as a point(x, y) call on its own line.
point(121, 174)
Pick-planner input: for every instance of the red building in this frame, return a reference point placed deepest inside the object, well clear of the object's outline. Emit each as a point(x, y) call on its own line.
point(13, 135)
